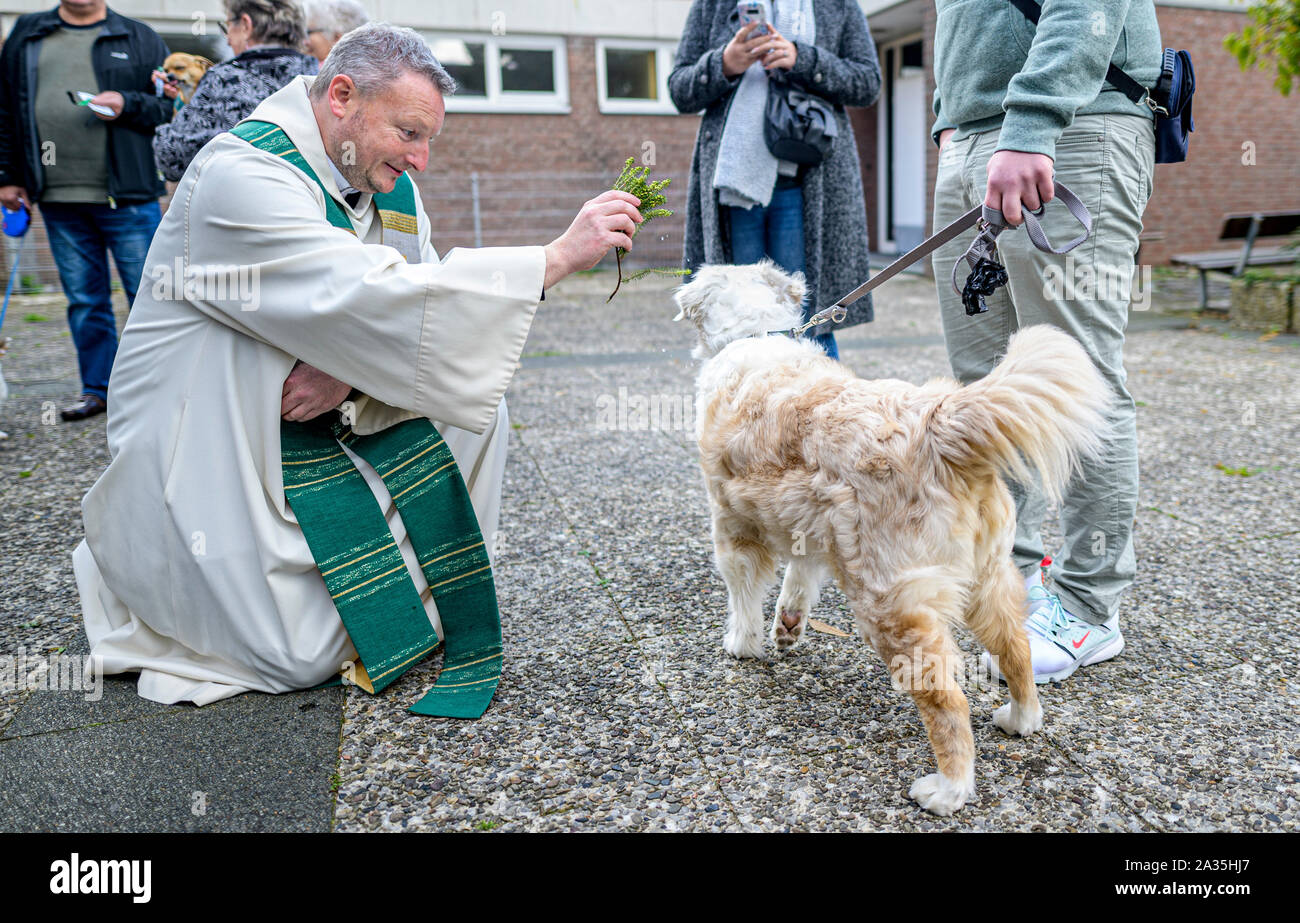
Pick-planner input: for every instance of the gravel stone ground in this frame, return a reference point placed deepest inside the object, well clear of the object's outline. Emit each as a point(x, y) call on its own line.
point(618, 709)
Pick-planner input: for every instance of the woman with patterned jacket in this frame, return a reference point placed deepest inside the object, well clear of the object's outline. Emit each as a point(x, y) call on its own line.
point(265, 36)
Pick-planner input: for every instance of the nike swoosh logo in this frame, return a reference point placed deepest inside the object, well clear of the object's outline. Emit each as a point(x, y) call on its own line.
point(1078, 644)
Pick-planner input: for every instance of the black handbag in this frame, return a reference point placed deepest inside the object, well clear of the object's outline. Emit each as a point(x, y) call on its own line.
point(1170, 99)
point(799, 126)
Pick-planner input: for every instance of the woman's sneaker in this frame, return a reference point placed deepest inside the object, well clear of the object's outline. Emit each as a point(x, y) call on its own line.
point(1059, 642)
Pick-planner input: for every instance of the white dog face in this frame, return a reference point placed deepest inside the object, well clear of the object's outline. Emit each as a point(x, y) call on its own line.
point(728, 303)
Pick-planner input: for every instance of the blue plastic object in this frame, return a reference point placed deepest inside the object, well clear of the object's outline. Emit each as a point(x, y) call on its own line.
point(16, 223)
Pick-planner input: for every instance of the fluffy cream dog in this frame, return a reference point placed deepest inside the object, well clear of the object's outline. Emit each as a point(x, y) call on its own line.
point(894, 489)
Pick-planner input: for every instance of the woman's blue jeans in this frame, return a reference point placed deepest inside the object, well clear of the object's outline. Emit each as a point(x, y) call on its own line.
point(80, 236)
point(776, 231)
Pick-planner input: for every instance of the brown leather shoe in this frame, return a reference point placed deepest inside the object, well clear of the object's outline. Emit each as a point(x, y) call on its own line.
point(90, 405)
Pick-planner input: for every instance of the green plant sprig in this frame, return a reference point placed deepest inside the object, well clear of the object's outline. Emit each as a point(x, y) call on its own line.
point(635, 180)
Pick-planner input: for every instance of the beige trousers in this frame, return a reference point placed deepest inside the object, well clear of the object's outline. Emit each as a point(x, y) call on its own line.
point(1107, 161)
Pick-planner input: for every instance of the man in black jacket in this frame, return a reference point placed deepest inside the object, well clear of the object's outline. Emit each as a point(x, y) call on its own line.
point(90, 166)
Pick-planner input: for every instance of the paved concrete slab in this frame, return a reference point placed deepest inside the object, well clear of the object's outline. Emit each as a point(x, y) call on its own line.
point(252, 763)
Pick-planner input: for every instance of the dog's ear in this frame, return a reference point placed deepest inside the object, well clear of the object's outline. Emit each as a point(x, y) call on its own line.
point(796, 289)
point(790, 286)
point(684, 302)
point(690, 298)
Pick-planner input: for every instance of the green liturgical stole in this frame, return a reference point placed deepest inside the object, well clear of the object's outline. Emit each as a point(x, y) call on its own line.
point(350, 540)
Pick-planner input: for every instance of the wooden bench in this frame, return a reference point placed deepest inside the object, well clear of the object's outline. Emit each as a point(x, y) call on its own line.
point(1246, 228)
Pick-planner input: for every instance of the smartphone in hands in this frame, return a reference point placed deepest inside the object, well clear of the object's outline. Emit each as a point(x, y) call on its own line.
point(751, 12)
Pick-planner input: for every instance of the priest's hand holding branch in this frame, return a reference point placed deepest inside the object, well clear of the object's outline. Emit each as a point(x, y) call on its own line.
point(309, 392)
point(609, 220)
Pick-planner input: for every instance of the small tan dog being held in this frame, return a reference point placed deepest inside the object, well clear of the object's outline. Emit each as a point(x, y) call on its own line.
point(894, 489)
point(188, 69)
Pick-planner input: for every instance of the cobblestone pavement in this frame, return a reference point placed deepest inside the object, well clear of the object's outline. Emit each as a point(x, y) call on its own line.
point(618, 709)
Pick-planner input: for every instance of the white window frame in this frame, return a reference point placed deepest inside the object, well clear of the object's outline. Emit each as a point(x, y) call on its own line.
point(664, 53)
point(498, 100)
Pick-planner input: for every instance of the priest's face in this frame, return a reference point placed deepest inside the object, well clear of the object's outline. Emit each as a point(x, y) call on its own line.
point(383, 135)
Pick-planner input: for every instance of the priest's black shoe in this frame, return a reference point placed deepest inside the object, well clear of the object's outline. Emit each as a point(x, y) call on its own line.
point(89, 406)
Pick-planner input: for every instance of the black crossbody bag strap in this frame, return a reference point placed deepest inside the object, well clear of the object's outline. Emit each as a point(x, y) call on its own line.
point(1116, 77)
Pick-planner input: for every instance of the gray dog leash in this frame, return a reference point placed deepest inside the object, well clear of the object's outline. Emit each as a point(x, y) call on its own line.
point(986, 273)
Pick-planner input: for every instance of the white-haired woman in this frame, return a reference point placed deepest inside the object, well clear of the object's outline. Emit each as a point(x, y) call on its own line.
point(328, 21)
point(265, 36)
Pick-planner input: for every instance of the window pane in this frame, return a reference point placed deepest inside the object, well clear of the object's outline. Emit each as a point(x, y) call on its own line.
point(527, 70)
point(912, 55)
point(630, 74)
point(466, 63)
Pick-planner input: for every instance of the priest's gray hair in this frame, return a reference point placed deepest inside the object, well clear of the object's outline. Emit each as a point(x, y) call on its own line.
point(377, 54)
point(334, 17)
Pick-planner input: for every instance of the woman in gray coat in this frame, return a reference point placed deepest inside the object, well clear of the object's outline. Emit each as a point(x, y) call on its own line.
point(829, 53)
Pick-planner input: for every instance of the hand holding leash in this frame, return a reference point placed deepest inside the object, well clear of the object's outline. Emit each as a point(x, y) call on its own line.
point(1035, 230)
point(1018, 181)
point(987, 274)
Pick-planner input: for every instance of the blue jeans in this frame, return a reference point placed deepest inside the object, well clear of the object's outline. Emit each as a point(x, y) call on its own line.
point(776, 231)
point(79, 234)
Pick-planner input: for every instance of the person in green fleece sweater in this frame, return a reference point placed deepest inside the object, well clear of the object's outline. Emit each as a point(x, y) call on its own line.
point(1016, 104)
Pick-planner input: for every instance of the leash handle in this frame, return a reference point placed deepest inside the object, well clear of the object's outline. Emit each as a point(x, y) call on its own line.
point(1035, 230)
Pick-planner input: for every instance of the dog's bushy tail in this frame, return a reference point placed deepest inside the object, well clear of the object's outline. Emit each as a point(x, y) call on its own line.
point(1041, 408)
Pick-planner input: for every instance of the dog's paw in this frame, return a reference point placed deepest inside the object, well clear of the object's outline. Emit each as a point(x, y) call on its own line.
point(743, 644)
point(788, 628)
point(1016, 720)
point(940, 795)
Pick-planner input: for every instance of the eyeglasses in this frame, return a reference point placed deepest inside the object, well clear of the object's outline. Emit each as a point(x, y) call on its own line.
point(223, 26)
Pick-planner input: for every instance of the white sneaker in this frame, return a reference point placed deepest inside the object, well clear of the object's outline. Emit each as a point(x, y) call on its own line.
point(1059, 641)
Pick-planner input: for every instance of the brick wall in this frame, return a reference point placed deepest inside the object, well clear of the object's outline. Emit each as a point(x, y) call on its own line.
point(535, 171)
point(864, 132)
point(1232, 107)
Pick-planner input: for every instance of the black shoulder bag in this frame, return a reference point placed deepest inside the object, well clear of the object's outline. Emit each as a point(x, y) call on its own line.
point(1170, 99)
point(799, 126)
